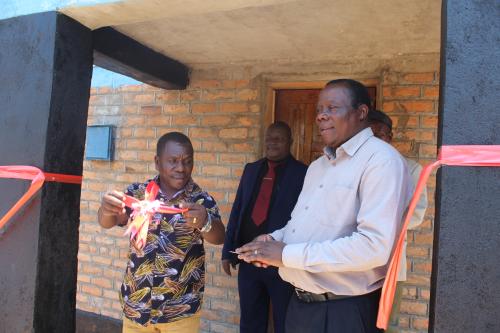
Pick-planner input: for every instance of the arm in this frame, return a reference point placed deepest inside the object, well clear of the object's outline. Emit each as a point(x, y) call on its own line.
point(383, 199)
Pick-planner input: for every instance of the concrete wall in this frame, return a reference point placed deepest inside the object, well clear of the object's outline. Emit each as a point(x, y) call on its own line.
point(223, 111)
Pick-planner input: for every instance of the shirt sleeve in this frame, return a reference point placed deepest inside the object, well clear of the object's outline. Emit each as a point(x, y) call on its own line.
point(278, 235)
point(383, 197)
point(418, 215)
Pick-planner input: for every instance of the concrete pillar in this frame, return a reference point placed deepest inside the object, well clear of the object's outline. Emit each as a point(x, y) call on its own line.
point(45, 72)
point(465, 295)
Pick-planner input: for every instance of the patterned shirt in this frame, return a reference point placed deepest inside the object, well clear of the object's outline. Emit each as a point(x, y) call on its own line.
point(164, 281)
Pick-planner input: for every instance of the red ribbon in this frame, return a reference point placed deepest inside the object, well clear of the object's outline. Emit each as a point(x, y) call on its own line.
point(448, 155)
point(37, 177)
point(143, 212)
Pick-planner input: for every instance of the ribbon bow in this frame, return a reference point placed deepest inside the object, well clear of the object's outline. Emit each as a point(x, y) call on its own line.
point(143, 212)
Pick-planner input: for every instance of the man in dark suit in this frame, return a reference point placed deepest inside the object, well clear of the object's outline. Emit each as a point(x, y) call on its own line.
point(266, 196)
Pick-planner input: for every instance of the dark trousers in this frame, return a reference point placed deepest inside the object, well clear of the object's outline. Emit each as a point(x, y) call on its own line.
point(350, 315)
point(256, 287)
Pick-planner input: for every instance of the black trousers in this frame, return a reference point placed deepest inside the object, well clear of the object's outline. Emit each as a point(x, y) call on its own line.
point(350, 315)
point(257, 286)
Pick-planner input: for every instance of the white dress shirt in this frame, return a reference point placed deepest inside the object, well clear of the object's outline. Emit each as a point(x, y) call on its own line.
point(418, 215)
point(344, 225)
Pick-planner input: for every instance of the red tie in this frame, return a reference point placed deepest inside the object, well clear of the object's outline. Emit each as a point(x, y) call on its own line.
point(259, 213)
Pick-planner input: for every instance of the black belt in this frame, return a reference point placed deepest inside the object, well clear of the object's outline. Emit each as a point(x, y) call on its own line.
point(308, 297)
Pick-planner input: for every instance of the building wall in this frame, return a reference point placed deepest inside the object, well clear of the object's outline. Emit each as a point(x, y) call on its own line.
point(223, 111)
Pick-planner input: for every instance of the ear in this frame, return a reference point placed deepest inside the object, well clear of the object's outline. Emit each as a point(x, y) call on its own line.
point(157, 162)
point(363, 112)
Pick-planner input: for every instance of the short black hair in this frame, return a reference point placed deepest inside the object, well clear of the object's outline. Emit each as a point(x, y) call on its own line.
point(282, 125)
point(173, 137)
point(377, 116)
point(357, 90)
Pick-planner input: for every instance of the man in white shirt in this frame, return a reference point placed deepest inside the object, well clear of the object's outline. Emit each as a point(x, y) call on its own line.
point(335, 249)
point(381, 125)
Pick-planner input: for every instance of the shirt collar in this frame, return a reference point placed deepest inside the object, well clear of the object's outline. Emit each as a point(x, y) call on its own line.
point(352, 145)
point(187, 189)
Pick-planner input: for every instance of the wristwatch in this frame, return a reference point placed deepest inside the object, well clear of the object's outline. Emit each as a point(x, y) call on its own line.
point(208, 225)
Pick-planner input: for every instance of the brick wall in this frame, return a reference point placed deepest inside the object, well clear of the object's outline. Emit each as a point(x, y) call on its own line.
point(224, 119)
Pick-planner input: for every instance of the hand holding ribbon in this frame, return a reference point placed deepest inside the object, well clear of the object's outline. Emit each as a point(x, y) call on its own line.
point(143, 212)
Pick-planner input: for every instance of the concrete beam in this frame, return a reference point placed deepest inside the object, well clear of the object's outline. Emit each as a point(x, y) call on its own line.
point(45, 70)
point(116, 52)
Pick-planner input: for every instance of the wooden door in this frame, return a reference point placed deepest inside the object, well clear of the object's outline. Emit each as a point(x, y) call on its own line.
point(297, 107)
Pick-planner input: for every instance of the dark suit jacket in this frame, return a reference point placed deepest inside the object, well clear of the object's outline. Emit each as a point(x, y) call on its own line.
point(286, 196)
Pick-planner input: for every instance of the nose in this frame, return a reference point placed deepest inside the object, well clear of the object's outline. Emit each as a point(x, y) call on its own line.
point(179, 166)
point(322, 114)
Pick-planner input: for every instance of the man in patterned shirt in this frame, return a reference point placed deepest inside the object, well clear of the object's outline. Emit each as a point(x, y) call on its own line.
point(164, 281)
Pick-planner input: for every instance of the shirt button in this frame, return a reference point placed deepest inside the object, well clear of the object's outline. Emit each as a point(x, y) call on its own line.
point(293, 230)
point(321, 186)
point(307, 207)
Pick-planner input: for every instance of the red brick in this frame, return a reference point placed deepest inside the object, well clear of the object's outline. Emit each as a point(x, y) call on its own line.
point(205, 133)
point(431, 92)
point(247, 121)
point(102, 260)
point(215, 120)
point(223, 183)
point(205, 84)
point(190, 95)
point(212, 146)
point(401, 91)
point(425, 294)
point(427, 150)
point(91, 290)
point(203, 108)
point(419, 77)
point(129, 109)
point(243, 147)
point(215, 170)
point(234, 107)
point(217, 95)
point(234, 133)
point(235, 83)
point(146, 98)
point(133, 121)
point(131, 88)
point(429, 121)
point(161, 120)
point(102, 282)
point(424, 238)
point(137, 144)
point(413, 307)
point(404, 121)
point(420, 323)
point(84, 278)
point(185, 120)
point(232, 158)
point(422, 267)
point(247, 94)
point(167, 96)
point(144, 132)
point(205, 157)
point(417, 251)
point(418, 279)
point(151, 110)
point(176, 109)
